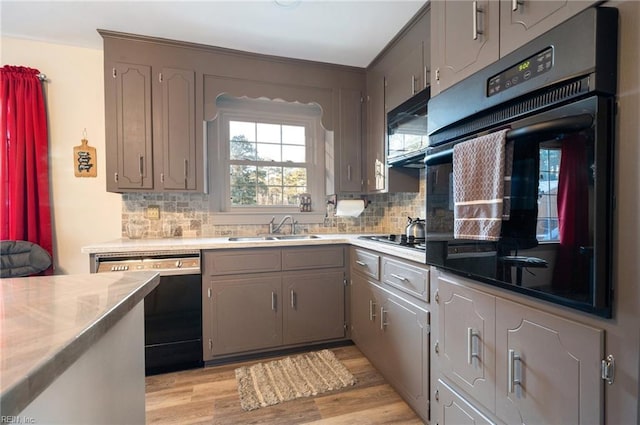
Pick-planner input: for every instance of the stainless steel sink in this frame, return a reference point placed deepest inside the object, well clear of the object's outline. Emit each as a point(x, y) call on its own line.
point(251, 238)
point(293, 237)
point(271, 238)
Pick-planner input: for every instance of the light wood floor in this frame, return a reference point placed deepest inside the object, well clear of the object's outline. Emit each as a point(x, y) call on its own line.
point(210, 396)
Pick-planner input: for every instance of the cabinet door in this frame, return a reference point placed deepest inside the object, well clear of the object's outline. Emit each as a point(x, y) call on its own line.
point(464, 39)
point(129, 152)
point(405, 78)
point(548, 368)
point(246, 313)
point(365, 323)
point(350, 141)
point(405, 329)
point(466, 329)
point(523, 20)
point(454, 410)
point(313, 306)
point(178, 132)
point(376, 130)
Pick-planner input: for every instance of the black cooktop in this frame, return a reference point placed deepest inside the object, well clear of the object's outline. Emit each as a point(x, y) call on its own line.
point(398, 240)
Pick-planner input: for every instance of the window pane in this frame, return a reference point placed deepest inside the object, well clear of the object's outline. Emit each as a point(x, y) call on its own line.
point(295, 176)
point(242, 149)
point(274, 196)
point(269, 152)
point(547, 229)
point(272, 175)
point(293, 135)
point(292, 195)
point(293, 153)
point(243, 184)
point(242, 130)
point(269, 133)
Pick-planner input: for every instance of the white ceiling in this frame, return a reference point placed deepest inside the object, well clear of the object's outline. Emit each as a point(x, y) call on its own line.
point(344, 32)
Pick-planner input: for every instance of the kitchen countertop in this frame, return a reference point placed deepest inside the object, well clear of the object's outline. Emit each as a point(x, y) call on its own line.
point(48, 322)
point(183, 244)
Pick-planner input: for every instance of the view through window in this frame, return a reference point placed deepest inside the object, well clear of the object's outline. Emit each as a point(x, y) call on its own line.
point(267, 163)
point(548, 196)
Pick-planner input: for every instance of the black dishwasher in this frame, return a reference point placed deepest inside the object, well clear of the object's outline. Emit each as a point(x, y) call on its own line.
point(172, 311)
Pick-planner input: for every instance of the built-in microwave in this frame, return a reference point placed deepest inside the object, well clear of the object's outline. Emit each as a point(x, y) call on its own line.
point(407, 132)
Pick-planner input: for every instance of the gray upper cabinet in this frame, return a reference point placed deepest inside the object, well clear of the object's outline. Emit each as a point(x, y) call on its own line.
point(409, 70)
point(468, 35)
point(398, 73)
point(375, 132)
point(178, 130)
point(464, 39)
point(129, 153)
point(151, 119)
point(523, 20)
point(349, 158)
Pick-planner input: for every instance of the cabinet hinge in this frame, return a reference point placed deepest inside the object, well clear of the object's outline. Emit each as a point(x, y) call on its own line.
point(114, 73)
point(608, 369)
point(160, 77)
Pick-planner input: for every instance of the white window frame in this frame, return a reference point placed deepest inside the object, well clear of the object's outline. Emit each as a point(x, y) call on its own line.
point(274, 112)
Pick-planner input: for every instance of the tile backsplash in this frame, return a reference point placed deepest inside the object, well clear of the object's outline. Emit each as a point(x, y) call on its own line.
point(188, 215)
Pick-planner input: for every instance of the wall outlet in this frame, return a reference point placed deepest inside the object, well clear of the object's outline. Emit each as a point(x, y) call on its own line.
point(153, 212)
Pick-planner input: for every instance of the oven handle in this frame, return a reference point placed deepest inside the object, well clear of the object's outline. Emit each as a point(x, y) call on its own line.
point(571, 123)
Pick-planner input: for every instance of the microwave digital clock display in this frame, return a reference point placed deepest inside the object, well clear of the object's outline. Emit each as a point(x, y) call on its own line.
point(525, 70)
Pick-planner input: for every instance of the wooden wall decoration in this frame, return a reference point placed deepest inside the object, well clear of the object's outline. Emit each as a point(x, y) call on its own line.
point(84, 160)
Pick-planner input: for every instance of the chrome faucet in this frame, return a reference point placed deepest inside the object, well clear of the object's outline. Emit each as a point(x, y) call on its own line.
point(276, 228)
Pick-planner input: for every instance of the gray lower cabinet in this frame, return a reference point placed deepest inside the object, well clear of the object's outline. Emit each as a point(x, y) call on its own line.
point(244, 313)
point(313, 306)
point(265, 298)
point(511, 363)
point(391, 327)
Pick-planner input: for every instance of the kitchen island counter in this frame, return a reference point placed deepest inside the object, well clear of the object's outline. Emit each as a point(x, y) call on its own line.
point(49, 322)
point(130, 246)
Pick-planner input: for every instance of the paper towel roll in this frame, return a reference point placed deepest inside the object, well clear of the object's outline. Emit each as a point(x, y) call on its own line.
point(349, 208)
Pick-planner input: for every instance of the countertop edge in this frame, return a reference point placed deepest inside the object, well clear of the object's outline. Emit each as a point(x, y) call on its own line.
point(14, 399)
point(142, 245)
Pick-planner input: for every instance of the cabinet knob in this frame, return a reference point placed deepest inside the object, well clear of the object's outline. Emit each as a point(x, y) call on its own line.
point(436, 297)
point(437, 395)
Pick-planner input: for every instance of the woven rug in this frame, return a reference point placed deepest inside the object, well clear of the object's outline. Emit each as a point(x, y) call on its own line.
point(266, 384)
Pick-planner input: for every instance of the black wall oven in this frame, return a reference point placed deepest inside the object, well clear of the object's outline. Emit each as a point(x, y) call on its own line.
point(555, 97)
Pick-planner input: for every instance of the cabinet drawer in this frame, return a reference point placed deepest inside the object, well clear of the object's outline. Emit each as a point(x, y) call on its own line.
point(366, 263)
point(312, 257)
point(241, 261)
point(410, 279)
point(453, 409)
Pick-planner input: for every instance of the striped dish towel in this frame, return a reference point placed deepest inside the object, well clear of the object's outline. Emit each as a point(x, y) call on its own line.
point(481, 173)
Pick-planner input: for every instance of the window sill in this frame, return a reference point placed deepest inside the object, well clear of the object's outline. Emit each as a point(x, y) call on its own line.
point(231, 218)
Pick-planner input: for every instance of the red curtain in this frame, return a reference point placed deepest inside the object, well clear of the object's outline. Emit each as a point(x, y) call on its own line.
point(573, 215)
point(24, 158)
